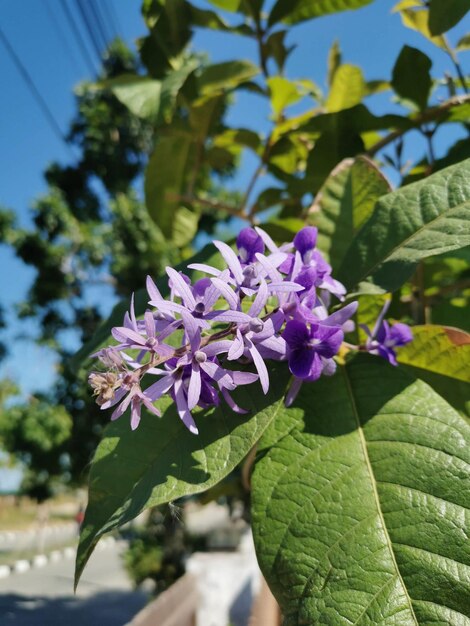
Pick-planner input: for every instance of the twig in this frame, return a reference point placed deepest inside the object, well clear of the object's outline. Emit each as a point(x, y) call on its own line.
point(429, 115)
point(212, 204)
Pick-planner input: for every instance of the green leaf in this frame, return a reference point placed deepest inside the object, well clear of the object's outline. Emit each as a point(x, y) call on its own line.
point(283, 93)
point(344, 203)
point(417, 221)
point(464, 43)
point(334, 61)
point(171, 87)
point(184, 226)
point(240, 136)
point(347, 89)
point(439, 349)
point(411, 77)
point(162, 460)
point(170, 32)
point(226, 5)
point(141, 95)
point(415, 15)
point(359, 499)
point(267, 198)
point(275, 47)
point(165, 176)
point(210, 19)
point(220, 77)
point(444, 14)
point(295, 11)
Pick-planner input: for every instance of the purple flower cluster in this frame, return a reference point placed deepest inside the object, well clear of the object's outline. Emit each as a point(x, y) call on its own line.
point(269, 303)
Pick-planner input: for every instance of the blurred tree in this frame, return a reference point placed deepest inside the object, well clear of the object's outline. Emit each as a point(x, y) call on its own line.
point(91, 230)
point(32, 434)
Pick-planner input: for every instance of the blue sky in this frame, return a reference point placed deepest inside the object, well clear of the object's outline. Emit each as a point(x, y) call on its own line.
point(371, 37)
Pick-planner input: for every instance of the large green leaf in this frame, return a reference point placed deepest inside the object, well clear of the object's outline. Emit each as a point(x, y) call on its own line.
point(347, 89)
point(415, 15)
point(162, 460)
point(141, 95)
point(220, 77)
point(165, 177)
point(344, 203)
point(283, 93)
point(360, 501)
point(295, 11)
point(440, 356)
point(443, 14)
point(411, 77)
point(439, 349)
point(150, 99)
point(420, 220)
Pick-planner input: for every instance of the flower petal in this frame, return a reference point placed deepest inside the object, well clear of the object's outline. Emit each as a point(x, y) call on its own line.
point(293, 391)
point(232, 404)
point(237, 347)
point(260, 300)
point(149, 324)
point(229, 316)
point(260, 366)
point(269, 268)
point(243, 378)
point(301, 362)
point(338, 318)
point(152, 290)
point(128, 334)
point(217, 347)
point(156, 390)
point(182, 408)
point(194, 389)
point(182, 288)
point(232, 299)
point(296, 334)
point(135, 412)
point(202, 267)
point(231, 259)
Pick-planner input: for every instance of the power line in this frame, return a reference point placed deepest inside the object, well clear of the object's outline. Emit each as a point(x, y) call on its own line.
point(63, 40)
point(100, 23)
point(33, 89)
point(113, 18)
point(89, 26)
point(78, 36)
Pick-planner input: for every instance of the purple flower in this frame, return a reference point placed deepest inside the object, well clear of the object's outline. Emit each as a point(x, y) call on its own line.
point(305, 242)
point(385, 338)
point(126, 391)
point(198, 300)
point(311, 350)
point(142, 336)
point(249, 243)
point(256, 334)
point(260, 307)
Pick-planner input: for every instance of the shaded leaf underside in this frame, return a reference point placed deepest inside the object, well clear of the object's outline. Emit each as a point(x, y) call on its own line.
point(162, 461)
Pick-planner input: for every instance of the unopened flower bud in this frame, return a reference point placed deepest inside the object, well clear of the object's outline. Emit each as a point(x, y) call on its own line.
point(256, 325)
point(200, 357)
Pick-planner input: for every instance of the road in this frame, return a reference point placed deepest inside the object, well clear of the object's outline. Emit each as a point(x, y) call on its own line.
point(44, 597)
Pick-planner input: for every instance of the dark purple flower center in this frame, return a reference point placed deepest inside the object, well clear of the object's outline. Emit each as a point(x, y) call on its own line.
point(248, 244)
point(305, 241)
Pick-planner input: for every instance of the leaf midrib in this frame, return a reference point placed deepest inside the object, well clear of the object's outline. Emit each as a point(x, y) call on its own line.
point(374, 488)
point(403, 244)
